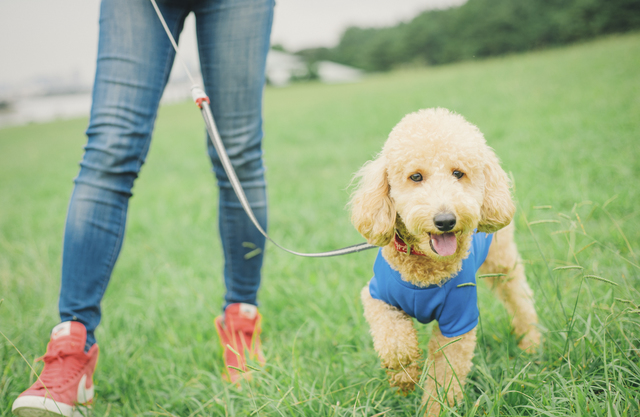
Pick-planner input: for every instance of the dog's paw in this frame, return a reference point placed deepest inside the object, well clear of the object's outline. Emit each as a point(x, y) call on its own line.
point(405, 378)
point(530, 341)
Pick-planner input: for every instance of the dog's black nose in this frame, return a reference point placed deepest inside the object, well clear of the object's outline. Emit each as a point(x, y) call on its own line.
point(445, 221)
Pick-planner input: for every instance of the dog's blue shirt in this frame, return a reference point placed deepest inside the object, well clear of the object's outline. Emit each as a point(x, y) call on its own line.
point(453, 305)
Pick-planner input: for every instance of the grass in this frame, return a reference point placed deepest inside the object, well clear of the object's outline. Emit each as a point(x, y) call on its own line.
point(566, 123)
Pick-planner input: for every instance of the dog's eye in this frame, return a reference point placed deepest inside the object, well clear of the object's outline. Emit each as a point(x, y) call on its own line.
point(458, 174)
point(417, 177)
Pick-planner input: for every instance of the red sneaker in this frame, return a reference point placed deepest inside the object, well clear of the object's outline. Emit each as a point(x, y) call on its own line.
point(65, 386)
point(239, 328)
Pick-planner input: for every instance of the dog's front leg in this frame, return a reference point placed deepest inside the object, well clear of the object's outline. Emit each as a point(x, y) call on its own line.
point(448, 363)
point(394, 339)
point(512, 289)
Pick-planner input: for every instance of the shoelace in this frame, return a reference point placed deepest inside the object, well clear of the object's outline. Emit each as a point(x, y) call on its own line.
point(60, 366)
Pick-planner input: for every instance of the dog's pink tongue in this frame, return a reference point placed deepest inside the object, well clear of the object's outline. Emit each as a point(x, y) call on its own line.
point(444, 244)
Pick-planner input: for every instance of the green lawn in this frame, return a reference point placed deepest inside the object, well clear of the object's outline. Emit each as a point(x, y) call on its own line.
point(566, 123)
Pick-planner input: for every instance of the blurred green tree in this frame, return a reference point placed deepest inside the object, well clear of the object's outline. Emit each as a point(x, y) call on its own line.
point(480, 28)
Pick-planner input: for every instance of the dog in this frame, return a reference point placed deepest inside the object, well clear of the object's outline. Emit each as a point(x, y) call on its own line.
point(438, 203)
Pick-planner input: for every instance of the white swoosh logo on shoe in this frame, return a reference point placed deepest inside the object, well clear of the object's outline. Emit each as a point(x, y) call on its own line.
point(248, 310)
point(84, 394)
point(62, 329)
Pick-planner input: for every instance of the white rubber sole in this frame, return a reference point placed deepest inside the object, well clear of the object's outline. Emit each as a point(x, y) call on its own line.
point(32, 406)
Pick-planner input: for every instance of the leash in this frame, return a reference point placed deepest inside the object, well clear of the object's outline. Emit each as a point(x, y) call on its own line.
point(202, 101)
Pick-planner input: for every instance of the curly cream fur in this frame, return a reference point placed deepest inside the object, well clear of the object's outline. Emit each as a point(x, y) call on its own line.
point(372, 211)
point(497, 207)
point(447, 368)
point(434, 143)
point(394, 337)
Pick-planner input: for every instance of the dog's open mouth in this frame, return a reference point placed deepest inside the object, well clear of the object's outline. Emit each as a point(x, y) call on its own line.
point(444, 244)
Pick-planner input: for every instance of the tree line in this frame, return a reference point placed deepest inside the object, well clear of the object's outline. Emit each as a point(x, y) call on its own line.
point(479, 28)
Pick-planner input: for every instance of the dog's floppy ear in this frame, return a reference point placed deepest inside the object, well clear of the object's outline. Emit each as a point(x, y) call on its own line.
point(497, 207)
point(372, 210)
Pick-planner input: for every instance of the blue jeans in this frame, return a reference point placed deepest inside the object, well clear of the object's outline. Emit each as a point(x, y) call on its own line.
point(134, 60)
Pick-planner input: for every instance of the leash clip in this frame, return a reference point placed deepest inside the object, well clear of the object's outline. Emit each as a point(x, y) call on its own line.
point(199, 95)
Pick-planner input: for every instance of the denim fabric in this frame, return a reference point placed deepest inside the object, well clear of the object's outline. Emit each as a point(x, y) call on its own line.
point(134, 60)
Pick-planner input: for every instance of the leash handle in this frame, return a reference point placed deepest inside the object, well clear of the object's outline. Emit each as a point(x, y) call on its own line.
point(202, 101)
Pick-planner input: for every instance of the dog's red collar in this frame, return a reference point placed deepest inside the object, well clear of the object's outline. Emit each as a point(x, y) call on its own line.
point(402, 247)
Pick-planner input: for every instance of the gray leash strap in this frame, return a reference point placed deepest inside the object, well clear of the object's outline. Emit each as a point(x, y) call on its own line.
point(201, 99)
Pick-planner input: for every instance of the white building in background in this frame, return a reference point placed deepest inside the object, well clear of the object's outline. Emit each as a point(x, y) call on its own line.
point(62, 99)
point(332, 72)
point(283, 67)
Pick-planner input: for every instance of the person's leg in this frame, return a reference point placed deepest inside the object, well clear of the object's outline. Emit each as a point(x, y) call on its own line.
point(233, 39)
point(134, 61)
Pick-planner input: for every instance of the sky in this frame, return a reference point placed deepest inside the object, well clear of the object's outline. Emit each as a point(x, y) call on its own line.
point(46, 39)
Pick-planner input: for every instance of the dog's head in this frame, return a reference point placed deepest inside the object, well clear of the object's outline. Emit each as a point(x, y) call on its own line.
point(437, 175)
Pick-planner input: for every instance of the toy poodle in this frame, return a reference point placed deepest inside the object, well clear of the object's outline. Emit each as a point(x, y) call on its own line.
point(439, 204)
